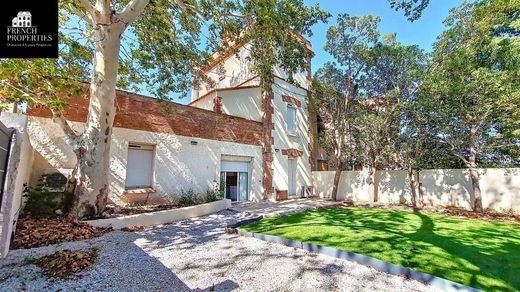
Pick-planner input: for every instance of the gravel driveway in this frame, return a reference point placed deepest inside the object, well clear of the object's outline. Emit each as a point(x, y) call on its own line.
point(196, 255)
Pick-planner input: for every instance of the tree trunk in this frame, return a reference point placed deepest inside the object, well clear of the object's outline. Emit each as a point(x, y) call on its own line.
point(267, 137)
point(411, 180)
point(372, 193)
point(337, 176)
point(473, 172)
point(91, 174)
point(474, 175)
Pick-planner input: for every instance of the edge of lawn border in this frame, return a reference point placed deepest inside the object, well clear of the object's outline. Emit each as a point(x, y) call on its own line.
point(377, 264)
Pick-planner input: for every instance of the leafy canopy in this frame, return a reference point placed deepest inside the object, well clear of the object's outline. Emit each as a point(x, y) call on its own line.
point(471, 98)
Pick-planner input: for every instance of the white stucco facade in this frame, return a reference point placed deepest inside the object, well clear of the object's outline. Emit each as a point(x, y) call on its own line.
point(230, 72)
point(178, 164)
point(283, 140)
point(244, 102)
point(232, 80)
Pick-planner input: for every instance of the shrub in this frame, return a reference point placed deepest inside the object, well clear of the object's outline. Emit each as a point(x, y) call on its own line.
point(188, 198)
point(214, 194)
point(42, 200)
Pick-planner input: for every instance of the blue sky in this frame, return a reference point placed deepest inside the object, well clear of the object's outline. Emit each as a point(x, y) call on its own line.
point(422, 32)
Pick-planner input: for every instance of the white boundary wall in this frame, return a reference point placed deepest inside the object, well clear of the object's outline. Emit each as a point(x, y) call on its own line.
point(18, 173)
point(441, 187)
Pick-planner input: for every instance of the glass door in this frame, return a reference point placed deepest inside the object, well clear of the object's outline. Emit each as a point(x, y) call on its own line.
point(242, 186)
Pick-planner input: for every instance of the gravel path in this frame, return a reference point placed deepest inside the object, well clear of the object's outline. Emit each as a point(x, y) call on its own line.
point(196, 255)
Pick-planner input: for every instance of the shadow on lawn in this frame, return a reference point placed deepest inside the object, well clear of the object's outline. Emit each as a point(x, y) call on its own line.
point(474, 255)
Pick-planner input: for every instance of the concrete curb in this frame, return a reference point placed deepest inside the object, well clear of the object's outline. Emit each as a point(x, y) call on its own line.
point(162, 217)
point(379, 265)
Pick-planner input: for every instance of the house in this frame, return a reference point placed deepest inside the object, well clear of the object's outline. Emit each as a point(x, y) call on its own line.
point(226, 135)
point(22, 19)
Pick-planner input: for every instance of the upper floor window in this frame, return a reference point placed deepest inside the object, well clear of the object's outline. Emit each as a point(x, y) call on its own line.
point(291, 119)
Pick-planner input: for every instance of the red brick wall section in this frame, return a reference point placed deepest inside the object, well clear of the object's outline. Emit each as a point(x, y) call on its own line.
point(282, 195)
point(292, 100)
point(292, 152)
point(217, 104)
point(144, 113)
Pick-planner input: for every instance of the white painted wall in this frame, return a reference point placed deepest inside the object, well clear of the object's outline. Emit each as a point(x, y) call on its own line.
point(300, 78)
point(442, 187)
point(231, 72)
point(18, 173)
point(452, 187)
point(245, 103)
point(235, 70)
point(282, 140)
point(178, 165)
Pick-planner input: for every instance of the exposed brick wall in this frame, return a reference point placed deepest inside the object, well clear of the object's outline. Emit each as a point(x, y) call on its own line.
point(282, 195)
point(217, 104)
point(292, 100)
point(292, 152)
point(144, 113)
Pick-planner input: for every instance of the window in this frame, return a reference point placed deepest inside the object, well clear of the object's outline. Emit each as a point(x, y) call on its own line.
point(139, 167)
point(291, 119)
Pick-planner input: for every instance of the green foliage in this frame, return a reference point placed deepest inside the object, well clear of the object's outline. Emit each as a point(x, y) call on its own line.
point(367, 90)
point(169, 60)
point(214, 193)
point(30, 260)
point(484, 254)
point(471, 96)
point(42, 200)
point(95, 251)
point(188, 198)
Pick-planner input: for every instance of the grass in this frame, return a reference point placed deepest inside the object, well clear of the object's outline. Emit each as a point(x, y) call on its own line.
point(478, 253)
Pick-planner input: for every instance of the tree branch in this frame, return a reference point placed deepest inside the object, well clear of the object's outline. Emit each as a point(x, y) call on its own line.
point(89, 9)
point(57, 117)
point(132, 10)
point(186, 6)
point(82, 15)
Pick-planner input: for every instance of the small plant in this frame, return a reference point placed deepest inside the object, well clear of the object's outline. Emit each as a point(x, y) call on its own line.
point(188, 198)
point(95, 251)
point(214, 193)
point(43, 200)
point(30, 260)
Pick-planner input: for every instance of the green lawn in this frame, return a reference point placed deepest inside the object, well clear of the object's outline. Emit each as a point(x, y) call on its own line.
point(477, 253)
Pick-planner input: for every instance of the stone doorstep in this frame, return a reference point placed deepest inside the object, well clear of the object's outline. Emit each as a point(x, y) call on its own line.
point(368, 261)
point(137, 195)
point(139, 191)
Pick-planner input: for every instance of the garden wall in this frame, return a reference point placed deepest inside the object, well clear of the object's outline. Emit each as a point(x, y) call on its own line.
point(440, 187)
point(18, 173)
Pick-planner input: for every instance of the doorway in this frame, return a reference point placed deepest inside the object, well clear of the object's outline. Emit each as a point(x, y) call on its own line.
point(291, 177)
point(235, 185)
point(234, 176)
